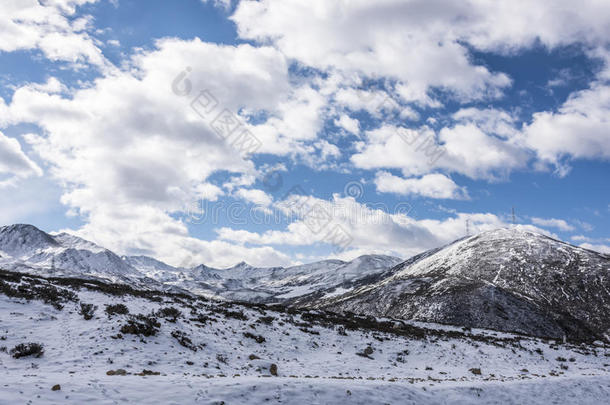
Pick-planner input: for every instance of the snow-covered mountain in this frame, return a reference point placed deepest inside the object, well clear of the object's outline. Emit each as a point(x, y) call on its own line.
point(244, 282)
point(26, 248)
point(506, 279)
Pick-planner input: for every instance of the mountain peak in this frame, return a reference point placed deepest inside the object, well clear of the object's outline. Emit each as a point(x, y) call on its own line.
point(240, 265)
point(509, 279)
point(22, 239)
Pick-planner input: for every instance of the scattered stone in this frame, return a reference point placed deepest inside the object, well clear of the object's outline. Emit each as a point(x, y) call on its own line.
point(253, 357)
point(118, 371)
point(148, 372)
point(56, 387)
point(475, 371)
point(366, 353)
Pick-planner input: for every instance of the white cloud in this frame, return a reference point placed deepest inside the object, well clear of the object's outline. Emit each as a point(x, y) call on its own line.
point(255, 196)
point(387, 230)
point(508, 26)
point(224, 4)
point(579, 129)
point(130, 152)
point(489, 120)
point(351, 125)
point(560, 224)
point(295, 121)
point(433, 185)
point(598, 248)
point(409, 46)
point(406, 41)
point(30, 24)
point(463, 148)
point(145, 230)
point(14, 163)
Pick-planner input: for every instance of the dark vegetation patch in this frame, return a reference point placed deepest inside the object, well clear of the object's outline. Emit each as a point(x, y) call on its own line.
point(27, 349)
point(202, 319)
point(74, 283)
point(32, 289)
point(267, 320)
point(310, 331)
point(87, 310)
point(170, 313)
point(257, 338)
point(117, 309)
point(239, 315)
point(184, 340)
point(141, 325)
point(148, 372)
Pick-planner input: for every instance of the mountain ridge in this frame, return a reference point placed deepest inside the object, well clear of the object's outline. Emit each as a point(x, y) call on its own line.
point(26, 248)
point(506, 279)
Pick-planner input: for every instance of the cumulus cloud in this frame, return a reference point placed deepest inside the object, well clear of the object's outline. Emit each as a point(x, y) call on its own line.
point(255, 196)
point(406, 41)
point(598, 248)
point(131, 149)
point(560, 224)
point(14, 163)
point(464, 148)
point(30, 24)
point(433, 185)
point(579, 129)
point(371, 228)
point(349, 124)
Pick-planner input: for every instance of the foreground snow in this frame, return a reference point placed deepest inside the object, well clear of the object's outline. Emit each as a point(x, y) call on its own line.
point(316, 362)
point(178, 389)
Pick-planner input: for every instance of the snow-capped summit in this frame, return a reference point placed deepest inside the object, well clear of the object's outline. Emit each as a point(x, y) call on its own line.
point(29, 249)
point(22, 240)
point(71, 241)
point(240, 266)
point(505, 279)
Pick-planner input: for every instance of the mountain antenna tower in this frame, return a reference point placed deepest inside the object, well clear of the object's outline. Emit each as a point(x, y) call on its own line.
point(514, 216)
point(467, 227)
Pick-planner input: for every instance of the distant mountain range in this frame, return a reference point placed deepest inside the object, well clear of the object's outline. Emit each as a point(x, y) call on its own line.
point(507, 279)
point(27, 249)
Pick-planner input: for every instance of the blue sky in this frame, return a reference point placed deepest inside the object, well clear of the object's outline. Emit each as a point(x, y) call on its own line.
point(401, 123)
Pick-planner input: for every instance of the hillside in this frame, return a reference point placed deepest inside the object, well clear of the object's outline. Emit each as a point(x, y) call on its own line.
point(507, 279)
point(143, 345)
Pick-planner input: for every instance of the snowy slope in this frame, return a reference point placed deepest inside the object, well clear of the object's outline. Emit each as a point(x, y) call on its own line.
point(264, 284)
point(507, 279)
point(28, 249)
point(215, 352)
